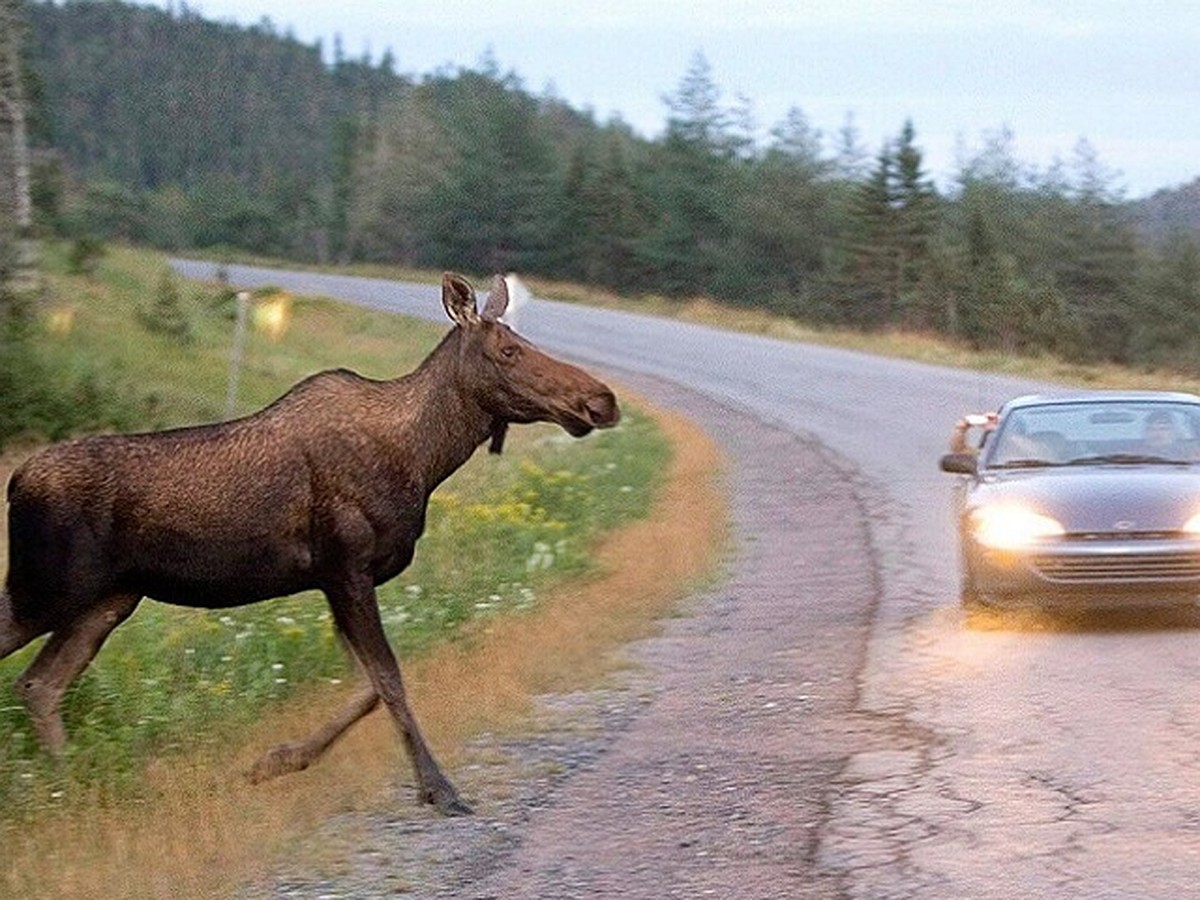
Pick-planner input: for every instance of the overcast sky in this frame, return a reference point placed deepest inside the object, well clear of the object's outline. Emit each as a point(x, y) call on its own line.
point(1123, 75)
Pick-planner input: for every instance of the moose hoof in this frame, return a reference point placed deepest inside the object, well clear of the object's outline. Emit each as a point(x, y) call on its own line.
point(279, 760)
point(445, 800)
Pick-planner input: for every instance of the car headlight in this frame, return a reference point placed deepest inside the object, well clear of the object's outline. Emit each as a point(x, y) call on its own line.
point(1014, 527)
point(1192, 525)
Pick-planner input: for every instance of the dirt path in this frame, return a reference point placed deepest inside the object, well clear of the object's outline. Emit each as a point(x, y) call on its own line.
point(705, 768)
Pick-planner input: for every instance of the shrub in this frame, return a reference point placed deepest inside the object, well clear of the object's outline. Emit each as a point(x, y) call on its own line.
point(84, 255)
point(41, 400)
point(166, 315)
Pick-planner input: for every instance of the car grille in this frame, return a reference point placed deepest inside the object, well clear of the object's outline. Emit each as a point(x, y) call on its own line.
point(1119, 567)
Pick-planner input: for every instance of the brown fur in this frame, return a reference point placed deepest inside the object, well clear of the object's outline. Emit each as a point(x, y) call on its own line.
point(326, 488)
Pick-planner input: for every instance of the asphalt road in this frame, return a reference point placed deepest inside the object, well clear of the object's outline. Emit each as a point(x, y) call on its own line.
point(1060, 757)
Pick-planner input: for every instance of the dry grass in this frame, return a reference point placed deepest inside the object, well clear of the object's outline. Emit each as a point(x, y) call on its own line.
point(206, 831)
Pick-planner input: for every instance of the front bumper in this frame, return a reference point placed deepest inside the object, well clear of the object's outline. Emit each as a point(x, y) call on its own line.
point(1088, 571)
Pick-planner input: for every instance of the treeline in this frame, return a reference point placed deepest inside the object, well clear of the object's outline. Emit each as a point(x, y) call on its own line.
point(161, 127)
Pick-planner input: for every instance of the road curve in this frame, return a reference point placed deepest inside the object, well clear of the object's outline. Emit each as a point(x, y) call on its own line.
point(1035, 758)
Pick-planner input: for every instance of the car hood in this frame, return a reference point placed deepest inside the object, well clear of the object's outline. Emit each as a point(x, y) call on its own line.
point(1099, 498)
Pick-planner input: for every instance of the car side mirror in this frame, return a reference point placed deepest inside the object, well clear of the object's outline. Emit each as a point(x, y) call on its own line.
point(960, 463)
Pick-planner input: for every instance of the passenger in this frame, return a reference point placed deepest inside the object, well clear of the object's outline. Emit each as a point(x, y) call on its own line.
point(958, 437)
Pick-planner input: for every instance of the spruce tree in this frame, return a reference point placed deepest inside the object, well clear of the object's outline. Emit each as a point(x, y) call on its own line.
point(915, 206)
point(871, 277)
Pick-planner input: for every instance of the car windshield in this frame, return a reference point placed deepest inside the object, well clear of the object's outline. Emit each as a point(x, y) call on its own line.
point(1097, 432)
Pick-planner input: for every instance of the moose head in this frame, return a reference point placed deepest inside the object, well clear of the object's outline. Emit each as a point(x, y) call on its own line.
point(512, 379)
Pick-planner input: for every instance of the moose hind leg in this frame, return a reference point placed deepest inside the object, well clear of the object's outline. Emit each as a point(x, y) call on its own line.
point(65, 655)
point(356, 613)
point(14, 634)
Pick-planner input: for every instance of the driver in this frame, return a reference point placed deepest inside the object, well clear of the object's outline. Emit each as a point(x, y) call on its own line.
point(1159, 435)
point(1163, 436)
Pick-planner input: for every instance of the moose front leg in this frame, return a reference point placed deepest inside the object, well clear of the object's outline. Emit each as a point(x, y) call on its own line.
point(356, 612)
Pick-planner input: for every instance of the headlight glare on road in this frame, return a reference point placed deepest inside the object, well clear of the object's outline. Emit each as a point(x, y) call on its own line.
point(1012, 527)
point(1192, 526)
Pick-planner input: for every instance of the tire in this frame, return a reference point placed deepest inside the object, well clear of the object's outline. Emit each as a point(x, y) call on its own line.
point(969, 599)
point(968, 593)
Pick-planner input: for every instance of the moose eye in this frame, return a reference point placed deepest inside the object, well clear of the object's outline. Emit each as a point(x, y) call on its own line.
point(510, 351)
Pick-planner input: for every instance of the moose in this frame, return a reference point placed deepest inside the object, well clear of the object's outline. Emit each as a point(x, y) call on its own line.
point(326, 488)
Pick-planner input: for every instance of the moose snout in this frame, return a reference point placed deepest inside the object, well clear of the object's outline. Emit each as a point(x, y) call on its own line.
point(601, 408)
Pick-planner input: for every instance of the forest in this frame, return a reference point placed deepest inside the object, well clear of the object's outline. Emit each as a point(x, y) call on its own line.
point(161, 128)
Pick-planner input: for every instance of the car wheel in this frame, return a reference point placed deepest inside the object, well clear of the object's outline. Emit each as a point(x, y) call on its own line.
point(968, 594)
point(978, 613)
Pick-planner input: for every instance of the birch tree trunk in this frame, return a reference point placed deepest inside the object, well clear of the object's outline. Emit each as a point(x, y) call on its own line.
point(17, 245)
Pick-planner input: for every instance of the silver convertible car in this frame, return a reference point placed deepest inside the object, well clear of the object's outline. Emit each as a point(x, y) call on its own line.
point(1089, 500)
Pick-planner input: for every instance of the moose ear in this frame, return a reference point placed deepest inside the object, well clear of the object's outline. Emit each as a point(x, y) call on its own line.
point(497, 301)
point(459, 299)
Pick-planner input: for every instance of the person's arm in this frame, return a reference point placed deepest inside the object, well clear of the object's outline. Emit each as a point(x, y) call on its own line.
point(958, 437)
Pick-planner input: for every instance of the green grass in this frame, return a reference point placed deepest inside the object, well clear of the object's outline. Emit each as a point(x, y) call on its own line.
point(176, 382)
point(500, 533)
